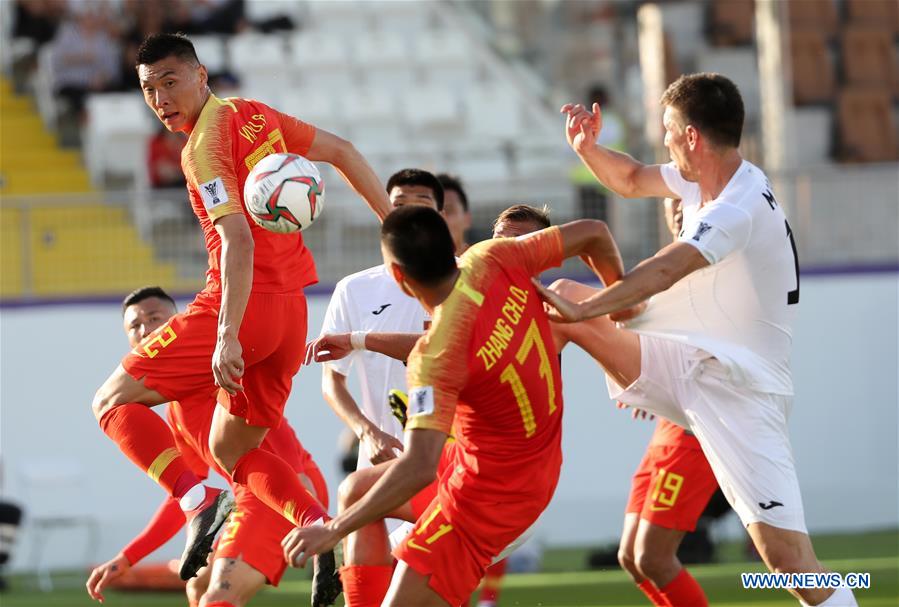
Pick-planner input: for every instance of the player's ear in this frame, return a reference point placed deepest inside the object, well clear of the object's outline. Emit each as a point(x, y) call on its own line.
point(692, 135)
point(397, 272)
point(203, 75)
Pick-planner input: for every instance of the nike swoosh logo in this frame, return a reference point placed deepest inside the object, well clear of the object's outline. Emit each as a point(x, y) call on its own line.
point(382, 308)
point(411, 543)
point(769, 505)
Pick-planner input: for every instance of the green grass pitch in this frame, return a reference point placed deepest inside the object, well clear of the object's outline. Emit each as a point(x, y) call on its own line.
point(564, 583)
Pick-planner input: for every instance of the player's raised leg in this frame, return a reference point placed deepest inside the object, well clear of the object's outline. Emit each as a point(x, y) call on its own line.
point(146, 440)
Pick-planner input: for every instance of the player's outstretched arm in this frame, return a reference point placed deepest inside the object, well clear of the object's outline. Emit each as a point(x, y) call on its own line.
point(651, 276)
point(411, 473)
point(378, 444)
point(237, 280)
point(166, 522)
point(618, 172)
point(334, 346)
point(353, 167)
point(591, 240)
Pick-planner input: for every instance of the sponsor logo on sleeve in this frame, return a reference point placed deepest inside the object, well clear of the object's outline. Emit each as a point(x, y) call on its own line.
point(213, 193)
point(421, 401)
point(701, 230)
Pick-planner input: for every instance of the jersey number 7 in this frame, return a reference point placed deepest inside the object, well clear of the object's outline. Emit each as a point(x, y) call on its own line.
point(510, 375)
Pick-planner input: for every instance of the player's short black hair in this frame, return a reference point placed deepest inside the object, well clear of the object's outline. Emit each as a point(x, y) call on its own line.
point(452, 183)
point(711, 103)
point(418, 237)
point(157, 47)
point(418, 177)
point(138, 295)
point(525, 212)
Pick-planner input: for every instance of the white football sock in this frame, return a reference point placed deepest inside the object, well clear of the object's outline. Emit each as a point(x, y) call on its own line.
point(841, 597)
point(193, 498)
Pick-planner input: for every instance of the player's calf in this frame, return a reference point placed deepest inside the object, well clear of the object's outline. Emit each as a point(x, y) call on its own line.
point(232, 582)
point(786, 551)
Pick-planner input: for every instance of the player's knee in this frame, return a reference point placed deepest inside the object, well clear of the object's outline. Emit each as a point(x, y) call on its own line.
point(349, 492)
point(103, 402)
point(651, 564)
point(626, 560)
point(224, 454)
point(562, 286)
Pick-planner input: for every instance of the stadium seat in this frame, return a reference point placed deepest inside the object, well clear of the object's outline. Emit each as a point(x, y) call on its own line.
point(732, 22)
point(43, 480)
point(882, 13)
point(318, 51)
point(115, 139)
point(211, 53)
point(443, 48)
point(255, 53)
point(432, 110)
point(866, 131)
point(741, 66)
point(493, 111)
point(820, 15)
point(378, 49)
point(314, 106)
point(869, 57)
point(813, 134)
point(812, 67)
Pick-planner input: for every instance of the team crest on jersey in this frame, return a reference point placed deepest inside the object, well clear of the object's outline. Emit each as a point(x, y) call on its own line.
point(702, 229)
point(213, 193)
point(421, 401)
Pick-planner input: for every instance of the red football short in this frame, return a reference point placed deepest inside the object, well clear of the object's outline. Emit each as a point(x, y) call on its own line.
point(672, 486)
point(455, 548)
point(253, 534)
point(254, 531)
point(176, 360)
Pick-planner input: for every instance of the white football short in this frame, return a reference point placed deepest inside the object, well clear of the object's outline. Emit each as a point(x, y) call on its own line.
point(743, 433)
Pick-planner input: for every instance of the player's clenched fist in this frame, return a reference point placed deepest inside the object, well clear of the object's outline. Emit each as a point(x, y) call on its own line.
point(103, 574)
point(304, 542)
point(227, 363)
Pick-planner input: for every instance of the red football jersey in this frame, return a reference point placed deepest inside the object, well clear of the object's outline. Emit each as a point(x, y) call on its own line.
point(230, 137)
point(487, 371)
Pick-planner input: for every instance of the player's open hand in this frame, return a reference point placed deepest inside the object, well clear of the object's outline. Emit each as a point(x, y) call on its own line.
point(303, 543)
point(582, 126)
point(103, 574)
point(227, 363)
point(557, 307)
point(330, 346)
point(379, 445)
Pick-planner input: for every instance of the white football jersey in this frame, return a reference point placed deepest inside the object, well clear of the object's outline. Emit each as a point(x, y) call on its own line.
point(741, 308)
point(371, 300)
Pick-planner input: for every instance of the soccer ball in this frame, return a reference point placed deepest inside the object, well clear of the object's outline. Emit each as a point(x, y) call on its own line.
point(284, 193)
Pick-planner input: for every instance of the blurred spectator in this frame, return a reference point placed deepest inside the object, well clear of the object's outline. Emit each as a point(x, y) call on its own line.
point(85, 55)
point(217, 16)
point(37, 20)
point(164, 160)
